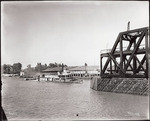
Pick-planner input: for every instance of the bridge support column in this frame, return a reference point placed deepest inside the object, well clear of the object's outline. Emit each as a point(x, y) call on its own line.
point(147, 47)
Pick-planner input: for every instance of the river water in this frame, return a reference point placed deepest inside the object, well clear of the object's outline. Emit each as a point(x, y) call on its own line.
point(48, 100)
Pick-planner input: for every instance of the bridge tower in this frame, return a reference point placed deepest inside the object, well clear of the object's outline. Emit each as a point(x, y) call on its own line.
point(129, 57)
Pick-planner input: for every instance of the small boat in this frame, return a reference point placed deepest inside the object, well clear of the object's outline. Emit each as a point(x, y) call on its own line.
point(71, 81)
point(57, 80)
point(77, 81)
point(27, 79)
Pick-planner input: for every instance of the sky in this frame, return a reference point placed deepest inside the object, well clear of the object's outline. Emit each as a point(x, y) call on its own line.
point(72, 32)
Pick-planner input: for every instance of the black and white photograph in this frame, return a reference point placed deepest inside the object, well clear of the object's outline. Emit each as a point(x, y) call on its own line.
point(75, 60)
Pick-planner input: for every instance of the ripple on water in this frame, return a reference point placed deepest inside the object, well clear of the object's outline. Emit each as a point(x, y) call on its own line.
point(36, 100)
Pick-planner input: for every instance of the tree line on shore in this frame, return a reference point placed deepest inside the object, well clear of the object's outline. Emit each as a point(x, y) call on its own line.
point(17, 67)
point(12, 69)
point(39, 67)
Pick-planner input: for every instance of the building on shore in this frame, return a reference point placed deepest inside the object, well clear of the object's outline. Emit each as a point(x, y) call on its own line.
point(52, 72)
point(85, 71)
point(63, 72)
point(72, 72)
point(29, 72)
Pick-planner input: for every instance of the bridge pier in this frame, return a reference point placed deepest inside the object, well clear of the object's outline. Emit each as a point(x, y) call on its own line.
point(136, 86)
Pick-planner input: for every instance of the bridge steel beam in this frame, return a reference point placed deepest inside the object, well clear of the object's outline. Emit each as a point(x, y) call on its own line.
point(130, 63)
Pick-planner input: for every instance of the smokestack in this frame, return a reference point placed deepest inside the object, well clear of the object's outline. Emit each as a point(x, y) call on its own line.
point(62, 67)
point(128, 27)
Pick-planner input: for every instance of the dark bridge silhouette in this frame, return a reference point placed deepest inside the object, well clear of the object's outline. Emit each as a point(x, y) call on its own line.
point(130, 60)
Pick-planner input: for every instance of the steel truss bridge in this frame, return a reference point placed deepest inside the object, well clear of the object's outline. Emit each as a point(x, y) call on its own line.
point(129, 57)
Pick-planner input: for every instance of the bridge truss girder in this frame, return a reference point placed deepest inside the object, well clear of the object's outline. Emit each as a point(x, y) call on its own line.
point(129, 63)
